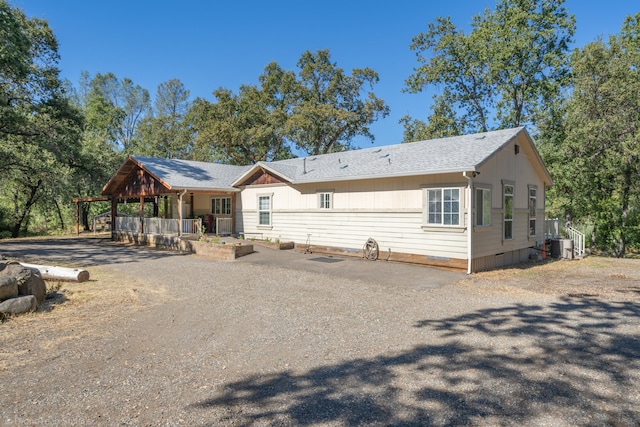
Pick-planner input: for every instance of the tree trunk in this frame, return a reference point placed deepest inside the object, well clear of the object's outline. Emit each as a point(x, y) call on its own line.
point(626, 191)
point(59, 214)
point(84, 214)
point(20, 216)
point(60, 273)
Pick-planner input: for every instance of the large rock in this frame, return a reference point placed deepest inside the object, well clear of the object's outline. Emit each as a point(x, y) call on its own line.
point(8, 287)
point(19, 305)
point(29, 280)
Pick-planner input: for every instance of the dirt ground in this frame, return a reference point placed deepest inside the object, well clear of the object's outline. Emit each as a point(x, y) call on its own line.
point(160, 338)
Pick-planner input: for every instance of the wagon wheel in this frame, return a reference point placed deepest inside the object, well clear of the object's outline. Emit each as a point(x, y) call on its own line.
point(370, 249)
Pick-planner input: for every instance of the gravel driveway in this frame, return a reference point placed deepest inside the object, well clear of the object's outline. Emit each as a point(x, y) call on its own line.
point(180, 340)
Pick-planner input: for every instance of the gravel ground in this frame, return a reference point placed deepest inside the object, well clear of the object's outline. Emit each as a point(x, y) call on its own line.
point(167, 339)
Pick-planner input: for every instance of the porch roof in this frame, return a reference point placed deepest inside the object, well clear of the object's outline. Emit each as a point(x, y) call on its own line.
point(177, 175)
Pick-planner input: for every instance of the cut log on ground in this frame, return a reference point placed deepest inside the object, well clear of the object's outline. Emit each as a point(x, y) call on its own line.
point(60, 273)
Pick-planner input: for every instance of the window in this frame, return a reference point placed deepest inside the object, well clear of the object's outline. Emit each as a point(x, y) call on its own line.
point(483, 206)
point(443, 206)
point(221, 206)
point(508, 212)
point(264, 210)
point(532, 210)
point(325, 200)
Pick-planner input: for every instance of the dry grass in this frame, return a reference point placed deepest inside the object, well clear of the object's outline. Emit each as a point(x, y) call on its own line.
point(75, 311)
point(607, 278)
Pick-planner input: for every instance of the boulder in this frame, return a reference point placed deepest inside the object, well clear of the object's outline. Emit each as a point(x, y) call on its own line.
point(19, 305)
point(8, 287)
point(29, 280)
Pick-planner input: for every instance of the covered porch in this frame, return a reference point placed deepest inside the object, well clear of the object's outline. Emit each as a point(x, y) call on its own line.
point(169, 203)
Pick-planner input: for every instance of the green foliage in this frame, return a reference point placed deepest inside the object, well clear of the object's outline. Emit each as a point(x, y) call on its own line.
point(500, 75)
point(592, 145)
point(239, 128)
point(167, 133)
point(319, 110)
point(442, 123)
point(116, 107)
point(39, 127)
point(329, 108)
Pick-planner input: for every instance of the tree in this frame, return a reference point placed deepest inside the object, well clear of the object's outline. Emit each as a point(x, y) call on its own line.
point(319, 110)
point(39, 128)
point(331, 108)
point(240, 129)
point(500, 75)
point(600, 148)
point(442, 123)
point(127, 102)
point(167, 133)
point(99, 151)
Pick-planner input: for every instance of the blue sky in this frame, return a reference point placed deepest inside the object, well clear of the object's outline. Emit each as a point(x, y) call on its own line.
point(211, 44)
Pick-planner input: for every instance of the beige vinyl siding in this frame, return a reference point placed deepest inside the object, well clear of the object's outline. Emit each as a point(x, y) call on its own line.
point(516, 169)
point(398, 231)
point(388, 210)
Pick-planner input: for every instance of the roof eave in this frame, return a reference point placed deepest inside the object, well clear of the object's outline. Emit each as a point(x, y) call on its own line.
point(390, 175)
point(218, 189)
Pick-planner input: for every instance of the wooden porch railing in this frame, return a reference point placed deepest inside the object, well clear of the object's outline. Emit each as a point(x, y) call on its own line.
point(223, 226)
point(158, 225)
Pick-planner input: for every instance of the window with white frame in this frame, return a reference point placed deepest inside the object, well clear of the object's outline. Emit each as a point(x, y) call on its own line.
point(443, 206)
point(483, 207)
point(508, 211)
point(264, 210)
point(221, 205)
point(533, 196)
point(325, 200)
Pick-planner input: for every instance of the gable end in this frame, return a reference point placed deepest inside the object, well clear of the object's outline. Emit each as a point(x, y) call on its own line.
point(139, 182)
point(262, 176)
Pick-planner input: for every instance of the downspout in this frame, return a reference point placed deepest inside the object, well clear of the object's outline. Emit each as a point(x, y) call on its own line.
point(180, 212)
point(469, 218)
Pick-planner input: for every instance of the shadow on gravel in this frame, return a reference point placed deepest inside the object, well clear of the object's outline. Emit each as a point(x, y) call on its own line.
point(517, 365)
point(85, 252)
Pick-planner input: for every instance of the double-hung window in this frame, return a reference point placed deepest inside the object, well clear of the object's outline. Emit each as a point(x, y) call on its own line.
point(532, 210)
point(508, 211)
point(264, 210)
point(443, 206)
point(325, 200)
point(483, 207)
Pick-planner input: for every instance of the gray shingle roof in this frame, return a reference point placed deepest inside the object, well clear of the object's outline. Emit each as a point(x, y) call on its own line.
point(181, 174)
point(444, 155)
point(453, 154)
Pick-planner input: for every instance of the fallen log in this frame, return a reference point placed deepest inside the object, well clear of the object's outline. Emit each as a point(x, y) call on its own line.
point(60, 273)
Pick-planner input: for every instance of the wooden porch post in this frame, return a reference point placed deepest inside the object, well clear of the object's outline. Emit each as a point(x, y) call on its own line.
point(141, 214)
point(114, 214)
point(77, 218)
point(166, 207)
point(233, 213)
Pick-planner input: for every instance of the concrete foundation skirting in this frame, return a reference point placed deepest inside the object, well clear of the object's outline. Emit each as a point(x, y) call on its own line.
point(218, 252)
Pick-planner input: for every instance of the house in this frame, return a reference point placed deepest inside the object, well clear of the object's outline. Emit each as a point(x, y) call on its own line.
point(470, 202)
